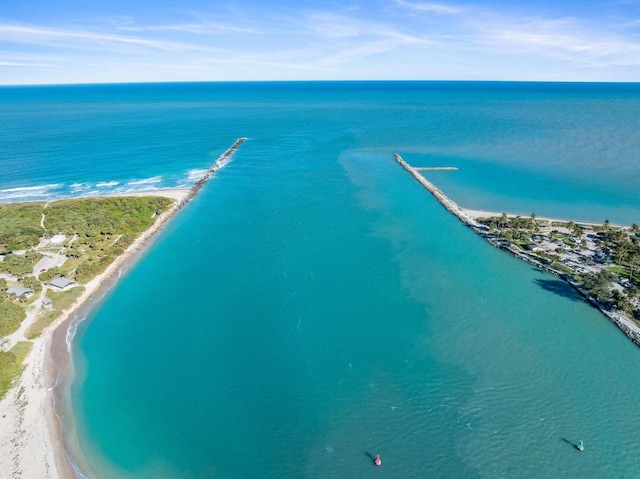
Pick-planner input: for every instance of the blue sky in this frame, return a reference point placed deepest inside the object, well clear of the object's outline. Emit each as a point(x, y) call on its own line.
point(86, 41)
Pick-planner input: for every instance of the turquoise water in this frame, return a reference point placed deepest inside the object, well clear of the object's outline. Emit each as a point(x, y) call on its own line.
point(314, 305)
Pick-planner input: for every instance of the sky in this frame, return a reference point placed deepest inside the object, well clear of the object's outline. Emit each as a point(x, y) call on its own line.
point(89, 41)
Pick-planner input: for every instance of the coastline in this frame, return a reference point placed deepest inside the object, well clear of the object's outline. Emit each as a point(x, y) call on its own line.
point(31, 434)
point(32, 444)
point(469, 218)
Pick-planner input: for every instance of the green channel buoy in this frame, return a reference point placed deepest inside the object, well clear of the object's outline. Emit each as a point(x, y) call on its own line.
point(580, 446)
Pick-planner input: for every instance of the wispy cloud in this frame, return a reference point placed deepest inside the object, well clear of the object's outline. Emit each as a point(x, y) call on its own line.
point(427, 7)
point(206, 28)
point(346, 39)
point(566, 39)
point(69, 38)
point(422, 38)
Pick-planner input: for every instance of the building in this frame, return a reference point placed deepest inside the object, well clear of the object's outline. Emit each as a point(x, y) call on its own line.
point(62, 284)
point(20, 291)
point(47, 303)
point(57, 240)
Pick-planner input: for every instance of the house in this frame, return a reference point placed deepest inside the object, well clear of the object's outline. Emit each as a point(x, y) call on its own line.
point(62, 284)
point(533, 247)
point(46, 302)
point(20, 291)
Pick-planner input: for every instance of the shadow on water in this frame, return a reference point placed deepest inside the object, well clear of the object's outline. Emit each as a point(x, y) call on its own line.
point(559, 287)
point(573, 444)
point(370, 456)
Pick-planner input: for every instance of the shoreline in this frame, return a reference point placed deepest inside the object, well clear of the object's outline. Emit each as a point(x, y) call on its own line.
point(469, 218)
point(32, 442)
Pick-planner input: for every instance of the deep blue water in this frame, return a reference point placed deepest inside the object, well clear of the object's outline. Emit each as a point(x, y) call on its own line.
point(314, 305)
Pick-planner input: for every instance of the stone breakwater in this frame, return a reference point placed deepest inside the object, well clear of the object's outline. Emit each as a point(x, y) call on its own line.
point(443, 199)
point(124, 261)
point(220, 162)
point(142, 240)
point(624, 323)
point(31, 441)
point(436, 168)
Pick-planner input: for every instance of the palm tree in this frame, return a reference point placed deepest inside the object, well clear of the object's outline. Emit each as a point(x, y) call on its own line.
point(623, 252)
point(578, 232)
point(606, 225)
point(503, 220)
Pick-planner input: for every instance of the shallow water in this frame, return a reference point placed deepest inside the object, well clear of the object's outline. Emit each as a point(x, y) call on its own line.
point(314, 305)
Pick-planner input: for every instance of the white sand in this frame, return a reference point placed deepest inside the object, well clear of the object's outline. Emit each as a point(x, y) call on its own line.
point(475, 214)
point(30, 441)
point(174, 193)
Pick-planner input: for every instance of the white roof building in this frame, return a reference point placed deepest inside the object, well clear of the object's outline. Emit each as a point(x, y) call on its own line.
point(19, 291)
point(62, 283)
point(57, 239)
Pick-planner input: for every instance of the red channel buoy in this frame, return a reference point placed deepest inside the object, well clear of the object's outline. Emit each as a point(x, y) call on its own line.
point(377, 461)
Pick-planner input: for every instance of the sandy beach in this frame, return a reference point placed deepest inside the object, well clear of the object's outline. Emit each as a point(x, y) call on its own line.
point(475, 214)
point(30, 434)
point(31, 441)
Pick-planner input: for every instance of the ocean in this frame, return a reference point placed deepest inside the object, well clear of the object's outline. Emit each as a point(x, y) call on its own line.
point(314, 306)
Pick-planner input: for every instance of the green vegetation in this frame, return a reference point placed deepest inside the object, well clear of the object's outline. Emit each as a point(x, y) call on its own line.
point(516, 235)
point(565, 238)
point(617, 247)
point(32, 282)
point(598, 284)
point(99, 230)
point(11, 365)
point(93, 217)
point(11, 315)
point(104, 228)
point(20, 226)
point(622, 302)
point(19, 265)
point(548, 257)
point(51, 273)
point(42, 321)
point(504, 222)
point(626, 254)
point(557, 265)
point(61, 300)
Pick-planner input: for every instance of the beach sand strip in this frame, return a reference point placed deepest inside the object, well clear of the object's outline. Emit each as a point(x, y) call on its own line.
point(31, 440)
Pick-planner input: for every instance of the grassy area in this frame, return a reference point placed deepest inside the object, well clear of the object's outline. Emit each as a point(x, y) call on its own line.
point(11, 365)
point(565, 238)
point(11, 315)
point(61, 301)
point(619, 270)
point(561, 267)
point(20, 225)
point(21, 349)
point(101, 229)
point(43, 320)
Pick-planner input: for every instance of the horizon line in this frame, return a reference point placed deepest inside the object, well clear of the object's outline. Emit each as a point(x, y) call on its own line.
point(609, 82)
